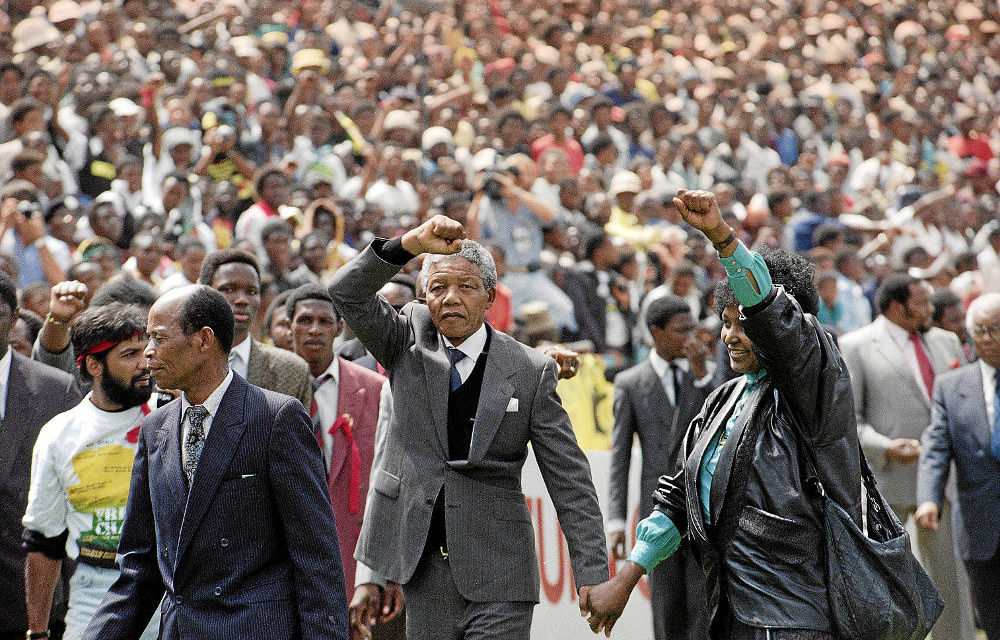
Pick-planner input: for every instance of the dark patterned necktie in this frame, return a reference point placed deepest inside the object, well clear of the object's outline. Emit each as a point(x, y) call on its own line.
point(195, 440)
point(455, 356)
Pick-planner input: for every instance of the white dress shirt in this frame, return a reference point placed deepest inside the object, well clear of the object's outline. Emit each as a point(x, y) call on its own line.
point(472, 347)
point(239, 357)
point(211, 404)
point(901, 337)
point(989, 391)
point(4, 378)
point(327, 395)
point(666, 376)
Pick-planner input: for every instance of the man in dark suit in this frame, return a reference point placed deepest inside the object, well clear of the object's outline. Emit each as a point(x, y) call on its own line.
point(236, 275)
point(31, 394)
point(965, 429)
point(447, 518)
point(228, 519)
point(656, 401)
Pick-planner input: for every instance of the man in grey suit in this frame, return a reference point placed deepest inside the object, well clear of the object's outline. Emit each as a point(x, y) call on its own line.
point(236, 275)
point(893, 363)
point(965, 429)
point(446, 517)
point(656, 401)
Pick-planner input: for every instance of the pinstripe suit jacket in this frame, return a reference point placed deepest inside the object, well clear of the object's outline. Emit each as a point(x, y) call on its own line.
point(250, 551)
point(490, 536)
point(279, 370)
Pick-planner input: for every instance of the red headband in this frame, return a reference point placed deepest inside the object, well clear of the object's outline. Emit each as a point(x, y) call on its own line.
point(102, 346)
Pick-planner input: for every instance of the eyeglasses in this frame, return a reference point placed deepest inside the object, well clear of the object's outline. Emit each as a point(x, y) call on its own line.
point(981, 330)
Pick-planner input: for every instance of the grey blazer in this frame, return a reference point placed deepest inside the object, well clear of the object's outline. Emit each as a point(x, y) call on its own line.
point(642, 408)
point(490, 535)
point(960, 433)
point(279, 370)
point(889, 400)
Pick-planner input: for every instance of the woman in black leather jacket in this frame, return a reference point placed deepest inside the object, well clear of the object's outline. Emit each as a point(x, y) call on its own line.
point(740, 497)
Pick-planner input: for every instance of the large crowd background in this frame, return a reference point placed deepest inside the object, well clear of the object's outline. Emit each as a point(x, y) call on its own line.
point(138, 136)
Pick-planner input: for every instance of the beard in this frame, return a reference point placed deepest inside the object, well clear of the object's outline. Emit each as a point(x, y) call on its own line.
point(127, 395)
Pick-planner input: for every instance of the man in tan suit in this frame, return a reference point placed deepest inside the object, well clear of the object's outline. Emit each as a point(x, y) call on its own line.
point(236, 275)
point(893, 363)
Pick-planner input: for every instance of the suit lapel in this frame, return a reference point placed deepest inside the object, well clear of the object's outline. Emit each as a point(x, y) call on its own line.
point(255, 365)
point(16, 419)
point(437, 374)
point(974, 406)
point(169, 437)
point(223, 437)
point(720, 481)
point(692, 471)
point(496, 393)
point(896, 359)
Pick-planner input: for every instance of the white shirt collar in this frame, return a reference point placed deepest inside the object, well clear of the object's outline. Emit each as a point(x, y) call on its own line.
point(333, 371)
point(214, 399)
point(5, 368)
point(243, 349)
point(660, 365)
point(896, 332)
point(988, 372)
point(473, 345)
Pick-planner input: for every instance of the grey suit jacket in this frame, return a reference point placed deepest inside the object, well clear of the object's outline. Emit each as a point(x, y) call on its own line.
point(889, 400)
point(642, 408)
point(279, 370)
point(35, 394)
point(960, 433)
point(490, 535)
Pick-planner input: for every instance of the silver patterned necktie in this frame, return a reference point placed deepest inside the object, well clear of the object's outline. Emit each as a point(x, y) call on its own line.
point(195, 440)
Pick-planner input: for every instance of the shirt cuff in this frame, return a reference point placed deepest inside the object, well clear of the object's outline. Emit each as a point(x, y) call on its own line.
point(657, 538)
point(615, 525)
point(392, 251)
point(738, 267)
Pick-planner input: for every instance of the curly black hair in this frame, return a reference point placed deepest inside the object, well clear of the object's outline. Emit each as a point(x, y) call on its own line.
point(790, 270)
point(115, 321)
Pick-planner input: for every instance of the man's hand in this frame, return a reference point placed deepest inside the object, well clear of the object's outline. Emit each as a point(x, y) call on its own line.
point(616, 543)
point(364, 608)
point(67, 300)
point(30, 229)
point(392, 602)
point(440, 235)
point(605, 602)
point(903, 451)
point(567, 360)
point(927, 516)
point(700, 210)
point(697, 353)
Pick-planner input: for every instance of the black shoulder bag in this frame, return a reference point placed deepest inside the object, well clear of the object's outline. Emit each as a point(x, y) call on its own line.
point(876, 588)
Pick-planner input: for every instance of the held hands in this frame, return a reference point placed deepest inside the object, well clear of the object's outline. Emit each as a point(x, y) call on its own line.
point(700, 210)
point(567, 360)
point(605, 602)
point(616, 543)
point(440, 234)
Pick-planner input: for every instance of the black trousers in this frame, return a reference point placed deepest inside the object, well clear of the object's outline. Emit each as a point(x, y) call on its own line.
point(985, 580)
point(740, 631)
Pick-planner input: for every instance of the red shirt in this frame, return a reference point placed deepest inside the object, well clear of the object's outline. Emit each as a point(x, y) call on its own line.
point(977, 147)
point(501, 314)
point(572, 149)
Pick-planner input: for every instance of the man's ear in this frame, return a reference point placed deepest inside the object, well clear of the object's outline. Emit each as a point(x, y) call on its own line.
point(491, 295)
point(205, 337)
point(94, 366)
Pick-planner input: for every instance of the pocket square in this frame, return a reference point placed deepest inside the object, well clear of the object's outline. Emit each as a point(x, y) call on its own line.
point(512, 406)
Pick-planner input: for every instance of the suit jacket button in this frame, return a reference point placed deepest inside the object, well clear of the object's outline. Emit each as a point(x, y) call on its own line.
point(218, 591)
point(224, 542)
point(429, 501)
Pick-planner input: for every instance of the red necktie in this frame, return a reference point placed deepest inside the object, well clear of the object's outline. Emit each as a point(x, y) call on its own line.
point(926, 370)
point(345, 423)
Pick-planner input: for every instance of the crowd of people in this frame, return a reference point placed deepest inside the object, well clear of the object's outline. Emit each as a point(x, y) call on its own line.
point(258, 147)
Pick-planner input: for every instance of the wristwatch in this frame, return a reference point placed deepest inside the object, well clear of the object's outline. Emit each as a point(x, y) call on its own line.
point(36, 635)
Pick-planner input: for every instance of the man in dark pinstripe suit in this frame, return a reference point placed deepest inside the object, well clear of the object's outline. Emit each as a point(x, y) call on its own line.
point(229, 526)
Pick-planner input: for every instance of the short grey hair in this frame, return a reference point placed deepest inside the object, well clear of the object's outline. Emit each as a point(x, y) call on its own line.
point(471, 251)
point(985, 302)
